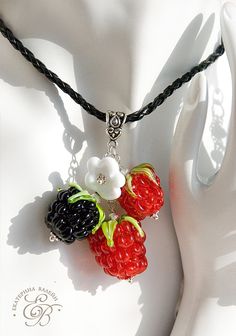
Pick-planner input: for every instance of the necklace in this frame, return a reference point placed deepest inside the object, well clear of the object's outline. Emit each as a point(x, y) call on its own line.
point(115, 236)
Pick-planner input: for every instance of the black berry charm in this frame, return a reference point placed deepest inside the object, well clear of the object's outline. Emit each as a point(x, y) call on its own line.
point(73, 215)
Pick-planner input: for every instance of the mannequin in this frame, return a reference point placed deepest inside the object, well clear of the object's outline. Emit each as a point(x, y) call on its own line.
point(118, 56)
point(204, 213)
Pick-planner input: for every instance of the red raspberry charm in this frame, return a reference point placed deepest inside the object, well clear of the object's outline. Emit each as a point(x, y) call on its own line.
point(119, 247)
point(142, 194)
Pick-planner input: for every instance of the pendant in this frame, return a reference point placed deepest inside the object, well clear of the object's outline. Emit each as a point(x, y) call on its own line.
point(116, 239)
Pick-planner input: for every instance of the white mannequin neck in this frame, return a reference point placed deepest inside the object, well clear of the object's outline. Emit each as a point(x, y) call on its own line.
point(119, 55)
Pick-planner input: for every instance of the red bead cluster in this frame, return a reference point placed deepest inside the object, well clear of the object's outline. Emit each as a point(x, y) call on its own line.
point(143, 196)
point(147, 197)
point(118, 243)
point(126, 258)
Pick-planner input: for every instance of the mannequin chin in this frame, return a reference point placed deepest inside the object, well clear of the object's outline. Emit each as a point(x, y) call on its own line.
point(119, 55)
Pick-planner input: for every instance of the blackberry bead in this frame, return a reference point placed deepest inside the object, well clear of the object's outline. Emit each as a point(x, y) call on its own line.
point(72, 221)
point(80, 232)
point(53, 205)
point(72, 191)
point(49, 217)
point(62, 209)
point(63, 195)
point(75, 206)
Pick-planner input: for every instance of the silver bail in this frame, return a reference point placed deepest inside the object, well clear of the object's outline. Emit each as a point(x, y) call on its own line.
point(115, 121)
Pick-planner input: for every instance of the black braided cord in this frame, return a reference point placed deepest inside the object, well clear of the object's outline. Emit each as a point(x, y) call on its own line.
point(66, 88)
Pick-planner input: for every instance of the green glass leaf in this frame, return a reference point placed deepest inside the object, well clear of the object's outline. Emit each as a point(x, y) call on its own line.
point(129, 186)
point(108, 229)
point(82, 195)
point(101, 219)
point(75, 185)
point(134, 222)
point(147, 169)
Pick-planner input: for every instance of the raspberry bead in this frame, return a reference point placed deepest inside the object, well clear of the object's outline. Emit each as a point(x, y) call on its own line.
point(142, 194)
point(119, 248)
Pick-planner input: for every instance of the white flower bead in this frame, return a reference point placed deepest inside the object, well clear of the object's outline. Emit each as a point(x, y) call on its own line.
point(104, 177)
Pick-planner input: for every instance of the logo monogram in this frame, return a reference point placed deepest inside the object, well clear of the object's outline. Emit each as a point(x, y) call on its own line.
point(38, 311)
point(37, 306)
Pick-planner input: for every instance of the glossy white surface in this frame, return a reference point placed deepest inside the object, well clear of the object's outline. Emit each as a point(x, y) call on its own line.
point(104, 177)
point(204, 213)
point(119, 55)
